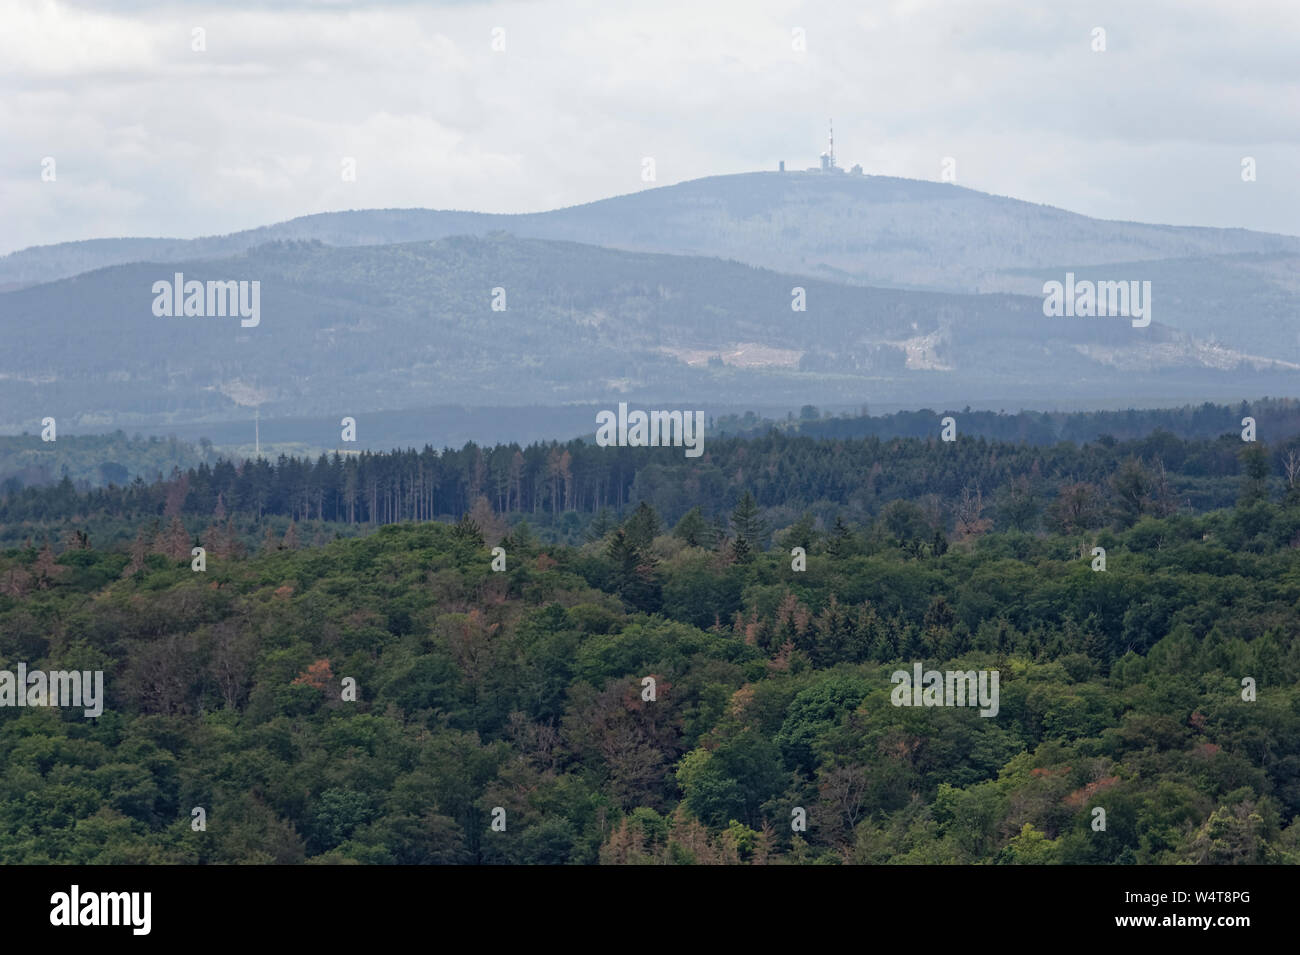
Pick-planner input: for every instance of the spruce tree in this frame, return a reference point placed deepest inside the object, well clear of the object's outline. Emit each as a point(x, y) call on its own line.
point(643, 526)
point(601, 525)
point(632, 573)
point(467, 531)
point(801, 533)
point(749, 526)
point(694, 530)
point(841, 540)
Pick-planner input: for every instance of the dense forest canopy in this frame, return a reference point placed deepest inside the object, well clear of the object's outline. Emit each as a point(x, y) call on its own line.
point(1160, 687)
point(810, 464)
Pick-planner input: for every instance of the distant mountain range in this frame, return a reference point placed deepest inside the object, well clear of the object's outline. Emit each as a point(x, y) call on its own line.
point(916, 292)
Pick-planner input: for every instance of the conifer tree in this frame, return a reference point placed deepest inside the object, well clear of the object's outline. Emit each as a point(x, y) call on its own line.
point(643, 526)
point(749, 527)
point(467, 531)
point(694, 530)
point(601, 525)
point(840, 543)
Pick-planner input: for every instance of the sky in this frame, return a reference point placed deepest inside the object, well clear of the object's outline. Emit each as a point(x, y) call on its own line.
point(152, 137)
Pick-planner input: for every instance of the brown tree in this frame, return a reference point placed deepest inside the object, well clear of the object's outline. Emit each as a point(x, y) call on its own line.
point(174, 543)
point(968, 519)
point(15, 581)
point(1077, 507)
point(491, 527)
point(317, 674)
point(45, 571)
point(233, 653)
point(138, 551)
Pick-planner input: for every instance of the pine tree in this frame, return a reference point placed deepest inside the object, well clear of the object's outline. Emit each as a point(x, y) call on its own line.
point(45, 570)
point(601, 525)
point(521, 541)
point(76, 540)
point(466, 531)
point(139, 550)
point(802, 533)
point(841, 540)
point(491, 527)
point(176, 542)
point(632, 576)
point(643, 526)
point(1254, 480)
point(749, 527)
point(694, 530)
point(15, 582)
point(269, 542)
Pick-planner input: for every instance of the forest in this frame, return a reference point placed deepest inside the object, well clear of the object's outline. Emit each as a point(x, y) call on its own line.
point(665, 661)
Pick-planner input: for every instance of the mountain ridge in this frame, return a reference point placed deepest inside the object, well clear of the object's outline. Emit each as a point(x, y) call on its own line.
point(731, 216)
point(359, 329)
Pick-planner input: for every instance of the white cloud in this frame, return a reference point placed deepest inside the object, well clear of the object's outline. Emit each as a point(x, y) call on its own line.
point(152, 138)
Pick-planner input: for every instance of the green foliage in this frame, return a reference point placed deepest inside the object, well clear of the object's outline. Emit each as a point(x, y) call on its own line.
point(524, 690)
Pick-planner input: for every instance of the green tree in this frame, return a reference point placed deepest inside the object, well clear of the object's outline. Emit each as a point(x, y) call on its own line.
point(466, 531)
point(841, 542)
point(1254, 474)
point(802, 533)
point(642, 527)
point(694, 529)
point(749, 527)
point(633, 573)
point(601, 525)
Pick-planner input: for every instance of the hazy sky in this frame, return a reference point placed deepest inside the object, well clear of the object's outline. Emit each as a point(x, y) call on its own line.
point(152, 138)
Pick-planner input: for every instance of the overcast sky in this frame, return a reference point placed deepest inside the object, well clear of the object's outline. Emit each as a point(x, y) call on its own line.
point(152, 138)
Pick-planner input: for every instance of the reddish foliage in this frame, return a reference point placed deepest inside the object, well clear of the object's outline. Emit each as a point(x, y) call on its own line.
point(1041, 771)
point(1081, 796)
point(318, 675)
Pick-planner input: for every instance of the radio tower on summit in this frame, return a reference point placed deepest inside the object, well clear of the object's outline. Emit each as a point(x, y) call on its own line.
point(828, 157)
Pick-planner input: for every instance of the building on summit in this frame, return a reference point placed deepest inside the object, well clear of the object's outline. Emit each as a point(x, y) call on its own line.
point(827, 160)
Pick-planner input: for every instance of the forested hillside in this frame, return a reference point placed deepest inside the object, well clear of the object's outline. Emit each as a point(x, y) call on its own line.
point(562, 487)
point(1161, 687)
point(95, 459)
point(499, 320)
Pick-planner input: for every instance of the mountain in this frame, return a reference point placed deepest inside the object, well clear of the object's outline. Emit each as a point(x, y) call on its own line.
point(1227, 286)
point(347, 330)
point(870, 230)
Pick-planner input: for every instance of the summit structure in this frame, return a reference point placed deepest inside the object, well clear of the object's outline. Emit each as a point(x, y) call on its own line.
point(827, 159)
